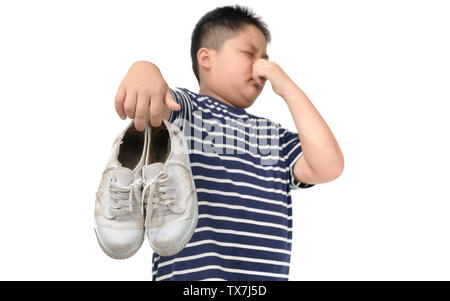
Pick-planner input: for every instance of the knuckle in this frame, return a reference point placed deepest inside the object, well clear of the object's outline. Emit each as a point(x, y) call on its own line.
point(152, 90)
point(141, 88)
point(119, 99)
point(128, 108)
point(154, 115)
point(146, 92)
point(140, 114)
point(162, 90)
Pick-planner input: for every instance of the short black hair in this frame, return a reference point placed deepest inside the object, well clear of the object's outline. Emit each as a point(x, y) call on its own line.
point(219, 25)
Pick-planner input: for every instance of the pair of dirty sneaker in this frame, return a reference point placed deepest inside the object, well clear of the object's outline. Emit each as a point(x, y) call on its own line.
point(146, 187)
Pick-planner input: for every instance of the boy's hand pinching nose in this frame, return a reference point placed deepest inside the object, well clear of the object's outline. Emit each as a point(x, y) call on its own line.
point(144, 95)
point(268, 70)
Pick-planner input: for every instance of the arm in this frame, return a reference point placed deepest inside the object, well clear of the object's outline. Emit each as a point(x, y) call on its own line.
point(322, 159)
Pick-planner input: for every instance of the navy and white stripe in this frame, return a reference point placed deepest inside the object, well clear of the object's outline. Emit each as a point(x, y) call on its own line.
point(242, 167)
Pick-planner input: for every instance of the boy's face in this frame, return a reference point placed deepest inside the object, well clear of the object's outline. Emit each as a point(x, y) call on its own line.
point(230, 76)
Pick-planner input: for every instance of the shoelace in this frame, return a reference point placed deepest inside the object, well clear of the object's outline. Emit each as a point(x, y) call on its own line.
point(121, 200)
point(161, 192)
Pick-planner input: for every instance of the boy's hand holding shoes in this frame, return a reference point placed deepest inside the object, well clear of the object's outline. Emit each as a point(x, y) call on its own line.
point(143, 94)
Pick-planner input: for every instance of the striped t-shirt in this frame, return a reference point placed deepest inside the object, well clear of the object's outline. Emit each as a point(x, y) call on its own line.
point(243, 172)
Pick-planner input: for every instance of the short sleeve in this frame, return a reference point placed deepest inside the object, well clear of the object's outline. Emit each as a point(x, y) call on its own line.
point(183, 115)
point(291, 150)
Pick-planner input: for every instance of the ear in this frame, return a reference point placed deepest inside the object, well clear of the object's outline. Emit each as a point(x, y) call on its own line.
point(205, 57)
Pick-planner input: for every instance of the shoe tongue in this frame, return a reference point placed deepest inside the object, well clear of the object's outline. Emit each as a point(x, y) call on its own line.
point(150, 171)
point(123, 176)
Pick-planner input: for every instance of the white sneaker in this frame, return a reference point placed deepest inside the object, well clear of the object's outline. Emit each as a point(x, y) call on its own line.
point(168, 191)
point(119, 213)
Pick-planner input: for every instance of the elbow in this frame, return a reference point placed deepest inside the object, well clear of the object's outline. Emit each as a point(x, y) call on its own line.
point(337, 164)
point(338, 168)
point(331, 170)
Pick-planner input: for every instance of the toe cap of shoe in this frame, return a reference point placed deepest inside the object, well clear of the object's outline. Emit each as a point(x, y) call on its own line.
point(119, 243)
point(170, 238)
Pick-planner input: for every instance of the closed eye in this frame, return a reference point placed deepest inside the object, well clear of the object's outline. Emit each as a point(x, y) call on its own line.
point(248, 53)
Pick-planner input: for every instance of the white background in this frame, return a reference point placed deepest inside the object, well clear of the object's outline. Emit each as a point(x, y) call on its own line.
point(377, 71)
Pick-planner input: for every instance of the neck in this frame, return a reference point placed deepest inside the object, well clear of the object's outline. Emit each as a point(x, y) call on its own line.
point(205, 91)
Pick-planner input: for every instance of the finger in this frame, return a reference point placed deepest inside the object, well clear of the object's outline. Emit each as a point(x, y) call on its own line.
point(156, 104)
point(140, 120)
point(258, 77)
point(259, 74)
point(119, 101)
point(130, 104)
point(170, 102)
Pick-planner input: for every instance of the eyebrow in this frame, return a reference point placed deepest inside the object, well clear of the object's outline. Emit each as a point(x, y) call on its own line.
point(254, 48)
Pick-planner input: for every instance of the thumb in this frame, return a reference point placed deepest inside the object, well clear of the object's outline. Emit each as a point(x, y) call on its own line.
point(170, 102)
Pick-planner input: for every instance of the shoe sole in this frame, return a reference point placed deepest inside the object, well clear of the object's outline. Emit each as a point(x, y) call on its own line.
point(107, 252)
point(183, 242)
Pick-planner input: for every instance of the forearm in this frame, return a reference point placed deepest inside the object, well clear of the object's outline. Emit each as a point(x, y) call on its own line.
point(319, 146)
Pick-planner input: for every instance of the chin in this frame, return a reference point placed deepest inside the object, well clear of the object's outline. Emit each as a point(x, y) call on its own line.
point(252, 94)
point(248, 96)
point(248, 102)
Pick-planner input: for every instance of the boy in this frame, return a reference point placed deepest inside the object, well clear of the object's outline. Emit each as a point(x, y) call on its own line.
point(244, 225)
